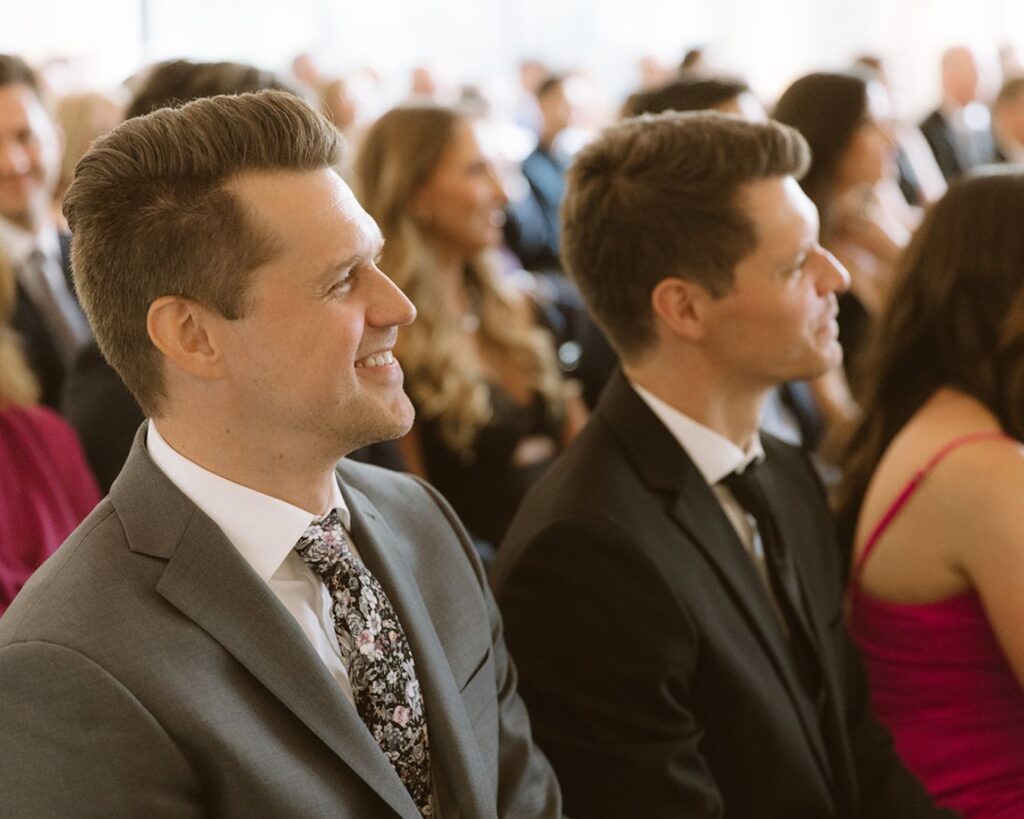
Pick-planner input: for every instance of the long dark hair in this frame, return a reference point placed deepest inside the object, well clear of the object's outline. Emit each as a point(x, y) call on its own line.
point(827, 109)
point(955, 318)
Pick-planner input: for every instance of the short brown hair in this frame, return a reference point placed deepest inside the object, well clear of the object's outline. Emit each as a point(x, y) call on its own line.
point(151, 215)
point(655, 197)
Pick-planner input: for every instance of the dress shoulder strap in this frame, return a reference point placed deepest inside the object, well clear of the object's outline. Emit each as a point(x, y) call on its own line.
point(911, 487)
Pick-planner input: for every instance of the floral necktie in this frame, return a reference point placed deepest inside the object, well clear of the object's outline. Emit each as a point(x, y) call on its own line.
point(376, 653)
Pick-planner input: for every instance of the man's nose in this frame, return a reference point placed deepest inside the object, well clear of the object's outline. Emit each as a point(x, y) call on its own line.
point(832, 276)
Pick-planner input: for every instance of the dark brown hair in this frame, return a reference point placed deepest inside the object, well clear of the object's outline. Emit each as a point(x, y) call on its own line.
point(655, 197)
point(176, 82)
point(827, 109)
point(152, 215)
point(955, 318)
point(687, 93)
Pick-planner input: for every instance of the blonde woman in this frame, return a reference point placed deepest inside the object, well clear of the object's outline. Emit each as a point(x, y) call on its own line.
point(46, 488)
point(492, 408)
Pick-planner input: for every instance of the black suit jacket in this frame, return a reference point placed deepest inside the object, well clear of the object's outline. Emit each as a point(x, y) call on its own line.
point(937, 133)
point(656, 676)
point(38, 344)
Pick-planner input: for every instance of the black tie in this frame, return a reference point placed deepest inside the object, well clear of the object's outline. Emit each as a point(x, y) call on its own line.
point(747, 488)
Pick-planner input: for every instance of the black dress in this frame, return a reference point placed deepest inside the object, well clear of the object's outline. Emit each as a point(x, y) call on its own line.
point(486, 487)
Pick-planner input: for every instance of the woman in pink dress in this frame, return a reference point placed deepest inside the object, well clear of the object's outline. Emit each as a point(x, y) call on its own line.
point(46, 489)
point(932, 502)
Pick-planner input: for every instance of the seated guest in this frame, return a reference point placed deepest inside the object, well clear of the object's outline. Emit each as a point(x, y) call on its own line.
point(491, 408)
point(931, 502)
point(671, 586)
point(95, 400)
point(532, 226)
point(245, 626)
point(46, 311)
point(958, 130)
point(1008, 122)
point(45, 487)
point(790, 411)
point(865, 221)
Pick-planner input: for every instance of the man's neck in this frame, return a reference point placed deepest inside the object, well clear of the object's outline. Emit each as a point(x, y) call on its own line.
point(731, 411)
point(252, 461)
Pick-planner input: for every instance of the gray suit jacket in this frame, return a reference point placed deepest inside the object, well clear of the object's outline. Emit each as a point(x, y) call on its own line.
point(145, 670)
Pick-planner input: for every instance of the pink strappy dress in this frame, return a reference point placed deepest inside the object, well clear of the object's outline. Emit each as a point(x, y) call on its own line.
point(941, 684)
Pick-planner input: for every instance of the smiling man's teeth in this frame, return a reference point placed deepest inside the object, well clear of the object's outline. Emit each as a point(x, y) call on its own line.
point(377, 360)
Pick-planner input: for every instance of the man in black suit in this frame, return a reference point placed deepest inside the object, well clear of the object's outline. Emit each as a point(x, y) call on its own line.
point(671, 587)
point(958, 130)
point(46, 312)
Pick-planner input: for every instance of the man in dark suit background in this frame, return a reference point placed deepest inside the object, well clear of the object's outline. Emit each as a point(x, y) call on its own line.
point(46, 312)
point(671, 587)
point(240, 629)
point(958, 130)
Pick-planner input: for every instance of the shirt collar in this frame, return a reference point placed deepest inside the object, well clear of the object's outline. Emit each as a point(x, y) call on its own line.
point(262, 528)
point(714, 455)
point(20, 243)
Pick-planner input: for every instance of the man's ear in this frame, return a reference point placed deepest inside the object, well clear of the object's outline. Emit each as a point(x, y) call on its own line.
point(680, 307)
point(180, 329)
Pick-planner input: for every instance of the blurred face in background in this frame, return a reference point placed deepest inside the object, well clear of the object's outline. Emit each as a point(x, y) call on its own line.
point(868, 156)
point(960, 76)
point(30, 152)
point(462, 204)
point(556, 109)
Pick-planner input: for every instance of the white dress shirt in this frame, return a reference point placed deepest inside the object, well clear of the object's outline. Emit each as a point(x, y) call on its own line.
point(265, 531)
point(716, 457)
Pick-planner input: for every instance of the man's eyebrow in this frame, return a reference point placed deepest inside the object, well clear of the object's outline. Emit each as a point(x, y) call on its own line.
point(333, 268)
point(798, 258)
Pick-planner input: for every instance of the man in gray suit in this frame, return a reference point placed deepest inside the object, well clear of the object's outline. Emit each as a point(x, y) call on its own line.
point(240, 629)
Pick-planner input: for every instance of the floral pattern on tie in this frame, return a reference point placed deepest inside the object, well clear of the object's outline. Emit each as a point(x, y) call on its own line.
point(376, 653)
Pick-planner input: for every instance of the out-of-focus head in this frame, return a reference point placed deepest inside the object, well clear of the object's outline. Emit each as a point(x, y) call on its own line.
point(698, 93)
point(176, 82)
point(661, 196)
point(532, 73)
point(30, 146)
point(1008, 111)
point(423, 84)
point(841, 115)
point(83, 117)
point(337, 103)
point(960, 75)
point(421, 171)
point(556, 108)
point(153, 214)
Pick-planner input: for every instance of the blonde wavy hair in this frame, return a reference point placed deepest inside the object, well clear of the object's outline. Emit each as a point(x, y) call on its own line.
point(18, 386)
point(397, 158)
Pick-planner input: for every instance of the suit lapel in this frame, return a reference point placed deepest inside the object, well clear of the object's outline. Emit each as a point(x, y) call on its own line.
point(454, 752)
point(211, 584)
point(665, 467)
